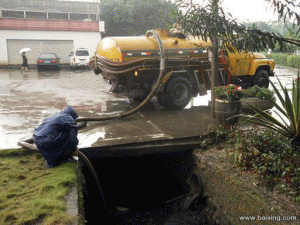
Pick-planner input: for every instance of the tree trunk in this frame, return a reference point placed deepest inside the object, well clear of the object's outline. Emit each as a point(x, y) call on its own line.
point(214, 73)
point(214, 62)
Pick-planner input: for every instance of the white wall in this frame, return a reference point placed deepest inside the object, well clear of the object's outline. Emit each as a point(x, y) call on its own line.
point(87, 40)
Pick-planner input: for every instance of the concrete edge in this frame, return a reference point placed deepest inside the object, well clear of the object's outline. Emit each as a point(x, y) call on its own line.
point(233, 199)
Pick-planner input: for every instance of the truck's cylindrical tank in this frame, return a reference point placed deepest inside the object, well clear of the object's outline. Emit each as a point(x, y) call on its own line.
point(122, 49)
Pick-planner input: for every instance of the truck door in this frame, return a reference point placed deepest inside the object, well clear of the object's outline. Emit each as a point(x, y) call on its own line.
point(239, 62)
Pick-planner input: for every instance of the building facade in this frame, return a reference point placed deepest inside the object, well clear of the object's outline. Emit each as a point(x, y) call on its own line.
point(47, 26)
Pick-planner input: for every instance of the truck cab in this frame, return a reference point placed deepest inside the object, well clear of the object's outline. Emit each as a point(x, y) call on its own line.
point(249, 68)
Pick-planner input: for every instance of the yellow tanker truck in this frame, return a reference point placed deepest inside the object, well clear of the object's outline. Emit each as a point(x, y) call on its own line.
point(132, 64)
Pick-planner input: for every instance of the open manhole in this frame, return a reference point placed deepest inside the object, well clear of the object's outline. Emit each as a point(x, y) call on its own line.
point(142, 183)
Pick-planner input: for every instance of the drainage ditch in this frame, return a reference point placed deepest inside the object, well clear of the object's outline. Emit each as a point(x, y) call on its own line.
point(153, 182)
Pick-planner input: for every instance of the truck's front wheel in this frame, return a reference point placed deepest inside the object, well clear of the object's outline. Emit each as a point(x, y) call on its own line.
point(261, 79)
point(178, 92)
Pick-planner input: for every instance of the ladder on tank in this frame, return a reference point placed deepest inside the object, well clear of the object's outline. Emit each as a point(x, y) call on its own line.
point(202, 87)
point(222, 73)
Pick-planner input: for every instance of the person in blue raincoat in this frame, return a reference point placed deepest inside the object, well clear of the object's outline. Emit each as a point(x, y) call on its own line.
point(56, 137)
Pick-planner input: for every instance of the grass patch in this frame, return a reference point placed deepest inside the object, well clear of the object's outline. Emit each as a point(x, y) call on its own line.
point(30, 191)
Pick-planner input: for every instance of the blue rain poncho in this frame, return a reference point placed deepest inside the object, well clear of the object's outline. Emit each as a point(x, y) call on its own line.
point(56, 137)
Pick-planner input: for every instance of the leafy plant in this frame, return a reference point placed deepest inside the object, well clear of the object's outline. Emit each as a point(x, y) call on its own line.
point(263, 92)
point(288, 112)
point(264, 152)
point(229, 92)
point(249, 92)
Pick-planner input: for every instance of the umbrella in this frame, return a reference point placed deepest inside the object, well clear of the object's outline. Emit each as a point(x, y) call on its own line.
point(24, 50)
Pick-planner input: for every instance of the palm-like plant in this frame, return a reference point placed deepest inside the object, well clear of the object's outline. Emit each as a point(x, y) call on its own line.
point(288, 112)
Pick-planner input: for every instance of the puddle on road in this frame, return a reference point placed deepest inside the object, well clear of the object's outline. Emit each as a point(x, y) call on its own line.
point(28, 98)
point(89, 138)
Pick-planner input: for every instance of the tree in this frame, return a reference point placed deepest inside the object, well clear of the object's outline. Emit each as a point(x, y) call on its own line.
point(116, 16)
point(151, 14)
point(211, 22)
point(202, 22)
point(135, 17)
point(287, 9)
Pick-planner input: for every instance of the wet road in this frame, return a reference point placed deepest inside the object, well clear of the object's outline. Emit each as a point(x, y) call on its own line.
point(27, 98)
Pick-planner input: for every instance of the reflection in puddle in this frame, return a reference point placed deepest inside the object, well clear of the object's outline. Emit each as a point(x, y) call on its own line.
point(89, 138)
point(199, 101)
point(48, 74)
point(9, 139)
point(8, 120)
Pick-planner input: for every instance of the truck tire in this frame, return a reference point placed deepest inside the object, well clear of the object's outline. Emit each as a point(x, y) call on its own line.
point(261, 79)
point(161, 99)
point(178, 92)
point(138, 94)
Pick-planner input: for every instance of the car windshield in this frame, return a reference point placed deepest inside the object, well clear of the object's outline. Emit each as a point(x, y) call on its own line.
point(48, 56)
point(82, 53)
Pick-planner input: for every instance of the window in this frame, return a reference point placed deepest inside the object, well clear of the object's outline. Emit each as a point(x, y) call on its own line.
point(12, 14)
point(48, 56)
point(82, 53)
point(74, 16)
point(36, 15)
point(58, 16)
point(93, 17)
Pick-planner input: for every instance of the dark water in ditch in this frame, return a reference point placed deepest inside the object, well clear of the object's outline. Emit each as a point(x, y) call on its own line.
point(164, 215)
point(160, 188)
point(170, 214)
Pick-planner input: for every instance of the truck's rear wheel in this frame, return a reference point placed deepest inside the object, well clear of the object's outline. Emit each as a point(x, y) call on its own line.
point(178, 92)
point(138, 94)
point(261, 79)
point(161, 99)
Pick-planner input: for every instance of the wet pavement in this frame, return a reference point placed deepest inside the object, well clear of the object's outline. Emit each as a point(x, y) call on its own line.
point(28, 98)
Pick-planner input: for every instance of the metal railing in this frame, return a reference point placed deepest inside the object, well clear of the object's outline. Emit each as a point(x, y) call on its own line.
point(51, 6)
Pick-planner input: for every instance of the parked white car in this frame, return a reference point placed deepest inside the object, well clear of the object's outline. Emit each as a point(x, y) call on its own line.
point(79, 58)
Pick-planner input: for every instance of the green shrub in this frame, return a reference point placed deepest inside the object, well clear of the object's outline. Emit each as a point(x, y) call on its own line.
point(249, 92)
point(294, 61)
point(257, 91)
point(265, 92)
point(280, 58)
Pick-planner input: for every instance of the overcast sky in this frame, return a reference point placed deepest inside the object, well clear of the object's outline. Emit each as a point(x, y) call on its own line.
point(249, 10)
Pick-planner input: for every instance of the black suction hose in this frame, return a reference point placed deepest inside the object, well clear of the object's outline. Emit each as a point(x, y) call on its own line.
point(29, 143)
point(148, 98)
point(91, 168)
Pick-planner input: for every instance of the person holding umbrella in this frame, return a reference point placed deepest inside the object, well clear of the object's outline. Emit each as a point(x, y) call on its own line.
point(25, 62)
